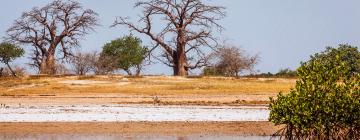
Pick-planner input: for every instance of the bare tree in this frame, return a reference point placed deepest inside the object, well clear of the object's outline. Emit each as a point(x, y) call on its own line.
point(61, 68)
point(103, 64)
point(231, 61)
point(188, 29)
point(56, 26)
point(83, 63)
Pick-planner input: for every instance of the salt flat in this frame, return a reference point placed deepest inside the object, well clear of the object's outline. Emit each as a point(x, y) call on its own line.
point(130, 112)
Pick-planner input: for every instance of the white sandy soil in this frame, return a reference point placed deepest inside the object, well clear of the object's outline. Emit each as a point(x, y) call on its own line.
point(124, 113)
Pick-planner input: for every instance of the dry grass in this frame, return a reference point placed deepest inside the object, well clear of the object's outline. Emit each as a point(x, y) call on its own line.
point(167, 90)
point(153, 86)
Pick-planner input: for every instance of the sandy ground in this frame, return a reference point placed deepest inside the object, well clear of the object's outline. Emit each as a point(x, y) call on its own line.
point(192, 99)
point(142, 128)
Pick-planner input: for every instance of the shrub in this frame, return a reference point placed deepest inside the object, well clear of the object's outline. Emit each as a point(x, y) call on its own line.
point(83, 63)
point(19, 71)
point(286, 73)
point(230, 61)
point(210, 71)
point(349, 55)
point(325, 103)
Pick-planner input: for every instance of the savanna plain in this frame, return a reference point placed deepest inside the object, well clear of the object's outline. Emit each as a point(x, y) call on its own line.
point(41, 94)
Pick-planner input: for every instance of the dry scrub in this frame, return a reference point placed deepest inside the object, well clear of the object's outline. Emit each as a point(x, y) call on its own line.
point(168, 90)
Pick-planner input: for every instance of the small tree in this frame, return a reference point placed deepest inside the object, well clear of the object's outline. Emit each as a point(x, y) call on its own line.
point(83, 63)
point(127, 52)
point(325, 103)
point(231, 61)
point(8, 53)
point(104, 64)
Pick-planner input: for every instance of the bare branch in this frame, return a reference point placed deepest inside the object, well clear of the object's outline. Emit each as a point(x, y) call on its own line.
point(188, 24)
point(60, 23)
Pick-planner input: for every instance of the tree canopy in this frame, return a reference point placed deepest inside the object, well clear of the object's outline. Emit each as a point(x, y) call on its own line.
point(127, 52)
point(55, 27)
point(186, 32)
point(230, 61)
point(8, 53)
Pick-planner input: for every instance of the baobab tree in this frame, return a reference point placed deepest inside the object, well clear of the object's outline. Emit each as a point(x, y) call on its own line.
point(57, 26)
point(187, 31)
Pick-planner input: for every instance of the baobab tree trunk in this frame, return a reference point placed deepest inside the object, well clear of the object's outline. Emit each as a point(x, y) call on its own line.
point(180, 64)
point(179, 56)
point(180, 70)
point(48, 65)
point(190, 21)
point(42, 67)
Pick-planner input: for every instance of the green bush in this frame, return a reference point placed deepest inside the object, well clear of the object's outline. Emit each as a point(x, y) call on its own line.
point(286, 73)
point(325, 103)
point(349, 55)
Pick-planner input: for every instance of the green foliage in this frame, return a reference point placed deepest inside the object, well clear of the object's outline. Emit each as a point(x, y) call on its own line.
point(9, 52)
point(261, 75)
point(325, 103)
point(127, 52)
point(283, 73)
point(286, 73)
point(349, 55)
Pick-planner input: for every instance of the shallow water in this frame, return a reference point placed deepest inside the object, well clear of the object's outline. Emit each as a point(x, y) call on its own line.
point(119, 137)
point(123, 113)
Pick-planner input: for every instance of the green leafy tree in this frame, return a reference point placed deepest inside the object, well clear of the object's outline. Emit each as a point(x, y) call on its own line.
point(127, 53)
point(325, 103)
point(8, 53)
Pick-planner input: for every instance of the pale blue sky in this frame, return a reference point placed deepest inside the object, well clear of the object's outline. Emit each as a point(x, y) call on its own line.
point(284, 32)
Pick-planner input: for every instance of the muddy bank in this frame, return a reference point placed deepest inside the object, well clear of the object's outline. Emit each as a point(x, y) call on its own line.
point(138, 137)
point(143, 129)
point(191, 99)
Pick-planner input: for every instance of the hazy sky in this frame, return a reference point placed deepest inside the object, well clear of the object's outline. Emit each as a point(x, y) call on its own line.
point(284, 32)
